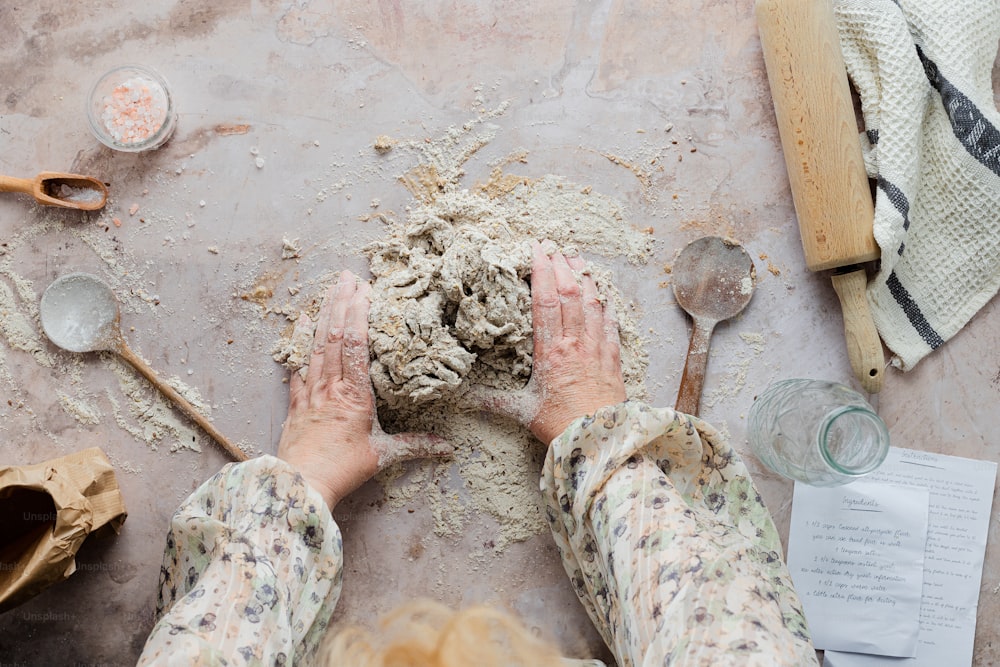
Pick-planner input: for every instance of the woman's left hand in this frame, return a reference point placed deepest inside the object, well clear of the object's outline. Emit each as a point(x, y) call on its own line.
point(332, 435)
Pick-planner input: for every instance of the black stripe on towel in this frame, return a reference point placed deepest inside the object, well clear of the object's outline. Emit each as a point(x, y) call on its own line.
point(898, 199)
point(980, 138)
point(912, 310)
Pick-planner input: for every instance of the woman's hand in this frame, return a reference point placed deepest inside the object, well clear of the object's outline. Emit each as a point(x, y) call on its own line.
point(577, 362)
point(331, 435)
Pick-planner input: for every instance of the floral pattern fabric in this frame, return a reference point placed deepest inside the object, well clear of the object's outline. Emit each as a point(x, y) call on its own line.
point(668, 543)
point(661, 531)
point(251, 573)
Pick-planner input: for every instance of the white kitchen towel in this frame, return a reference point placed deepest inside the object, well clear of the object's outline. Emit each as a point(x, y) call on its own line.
point(922, 69)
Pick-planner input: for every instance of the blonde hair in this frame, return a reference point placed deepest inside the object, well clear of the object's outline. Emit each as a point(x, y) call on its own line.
point(425, 633)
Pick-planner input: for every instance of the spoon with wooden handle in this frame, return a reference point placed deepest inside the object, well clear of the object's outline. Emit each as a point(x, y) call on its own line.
point(80, 313)
point(713, 281)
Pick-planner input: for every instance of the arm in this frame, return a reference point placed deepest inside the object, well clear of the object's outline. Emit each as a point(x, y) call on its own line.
point(661, 531)
point(251, 572)
point(668, 543)
point(253, 564)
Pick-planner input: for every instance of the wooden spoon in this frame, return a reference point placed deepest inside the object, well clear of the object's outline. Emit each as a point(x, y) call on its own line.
point(713, 281)
point(80, 313)
point(51, 188)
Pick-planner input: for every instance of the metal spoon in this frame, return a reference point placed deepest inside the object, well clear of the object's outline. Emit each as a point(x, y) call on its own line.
point(713, 281)
point(80, 313)
point(51, 188)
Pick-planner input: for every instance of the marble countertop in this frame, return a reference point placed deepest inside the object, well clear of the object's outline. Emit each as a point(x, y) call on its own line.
point(663, 109)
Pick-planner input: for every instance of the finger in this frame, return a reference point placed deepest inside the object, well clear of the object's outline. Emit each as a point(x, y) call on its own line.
point(392, 449)
point(355, 348)
point(319, 346)
point(569, 297)
point(296, 388)
point(545, 310)
point(516, 405)
point(611, 351)
point(333, 362)
point(593, 308)
point(303, 331)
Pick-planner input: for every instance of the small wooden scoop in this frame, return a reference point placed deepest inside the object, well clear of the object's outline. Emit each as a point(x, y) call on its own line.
point(51, 188)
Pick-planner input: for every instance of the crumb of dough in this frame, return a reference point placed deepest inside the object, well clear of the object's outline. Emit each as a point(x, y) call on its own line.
point(290, 249)
point(383, 143)
point(293, 351)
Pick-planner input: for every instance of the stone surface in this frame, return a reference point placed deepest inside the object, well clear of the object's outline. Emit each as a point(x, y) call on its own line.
point(663, 107)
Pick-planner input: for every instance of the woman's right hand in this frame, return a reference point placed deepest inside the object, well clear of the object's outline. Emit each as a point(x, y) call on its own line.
point(577, 355)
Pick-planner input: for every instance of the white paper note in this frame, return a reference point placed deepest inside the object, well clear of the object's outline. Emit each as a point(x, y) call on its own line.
point(961, 496)
point(856, 555)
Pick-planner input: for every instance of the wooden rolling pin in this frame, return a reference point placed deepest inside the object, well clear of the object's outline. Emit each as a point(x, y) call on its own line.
point(819, 137)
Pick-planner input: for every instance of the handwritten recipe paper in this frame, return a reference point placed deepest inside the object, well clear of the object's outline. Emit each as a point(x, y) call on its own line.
point(856, 555)
point(961, 495)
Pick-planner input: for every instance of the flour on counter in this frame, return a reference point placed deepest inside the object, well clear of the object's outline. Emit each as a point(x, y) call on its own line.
point(16, 325)
point(155, 419)
point(451, 308)
point(81, 410)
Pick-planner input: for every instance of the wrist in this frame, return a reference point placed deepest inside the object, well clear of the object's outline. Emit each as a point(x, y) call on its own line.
point(549, 428)
point(332, 480)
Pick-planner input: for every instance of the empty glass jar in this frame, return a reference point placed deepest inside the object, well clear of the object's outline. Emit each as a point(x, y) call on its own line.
point(817, 432)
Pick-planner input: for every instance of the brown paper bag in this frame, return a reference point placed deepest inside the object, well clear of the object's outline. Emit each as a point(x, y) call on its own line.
point(46, 511)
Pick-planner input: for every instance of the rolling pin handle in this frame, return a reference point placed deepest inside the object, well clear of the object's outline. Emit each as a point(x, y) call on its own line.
point(864, 347)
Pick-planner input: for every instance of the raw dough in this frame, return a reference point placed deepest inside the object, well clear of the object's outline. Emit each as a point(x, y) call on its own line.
point(450, 306)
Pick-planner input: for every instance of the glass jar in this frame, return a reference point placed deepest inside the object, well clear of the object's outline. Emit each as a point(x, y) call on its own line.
point(817, 432)
point(131, 109)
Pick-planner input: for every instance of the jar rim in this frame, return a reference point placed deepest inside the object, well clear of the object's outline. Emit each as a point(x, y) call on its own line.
point(157, 139)
point(882, 442)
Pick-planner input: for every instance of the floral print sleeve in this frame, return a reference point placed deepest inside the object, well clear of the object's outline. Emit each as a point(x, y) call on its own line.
point(668, 543)
point(251, 574)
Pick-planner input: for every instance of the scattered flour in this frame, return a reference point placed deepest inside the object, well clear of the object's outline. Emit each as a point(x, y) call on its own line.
point(736, 376)
point(154, 419)
point(16, 317)
point(476, 234)
point(451, 308)
point(81, 410)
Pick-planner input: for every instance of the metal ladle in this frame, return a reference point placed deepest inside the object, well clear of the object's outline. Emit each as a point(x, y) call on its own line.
point(80, 313)
point(713, 281)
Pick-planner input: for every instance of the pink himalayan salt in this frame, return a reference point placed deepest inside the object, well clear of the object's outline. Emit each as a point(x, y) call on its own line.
point(135, 110)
